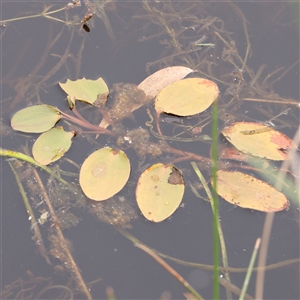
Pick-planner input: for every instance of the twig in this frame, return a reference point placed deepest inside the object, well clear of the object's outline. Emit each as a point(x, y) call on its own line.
point(63, 244)
point(267, 231)
point(37, 234)
point(170, 270)
point(42, 14)
point(274, 266)
point(282, 101)
point(233, 288)
point(284, 73)
point(248, 48)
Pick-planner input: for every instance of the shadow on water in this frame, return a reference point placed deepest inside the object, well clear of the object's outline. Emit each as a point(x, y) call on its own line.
point(67, 253)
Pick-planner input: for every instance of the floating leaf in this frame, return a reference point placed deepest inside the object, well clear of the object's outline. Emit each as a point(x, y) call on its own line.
point(35, 119)
point(160, 79)
point(85, 89)
point(104, 173)
point(159, 191)
point(249, 192)
point(187, 97)
point(51, 145)
point(258, 140)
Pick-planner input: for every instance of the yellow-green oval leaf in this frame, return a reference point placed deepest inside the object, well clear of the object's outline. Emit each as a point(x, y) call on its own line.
point(186, 97)
point(249, 192)
point(85, 89)
point(35, 119)
point(258, 140)
point(104, 173)
point(159, 191)
point(52, 145)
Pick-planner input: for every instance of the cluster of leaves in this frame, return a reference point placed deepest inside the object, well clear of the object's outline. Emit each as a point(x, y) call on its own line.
point(160, 187)
point(106, 171)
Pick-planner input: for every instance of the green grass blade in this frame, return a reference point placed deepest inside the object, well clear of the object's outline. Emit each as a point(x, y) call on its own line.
point(250, 269)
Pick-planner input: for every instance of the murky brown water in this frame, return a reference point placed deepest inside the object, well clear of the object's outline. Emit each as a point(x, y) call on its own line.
point(39, 52)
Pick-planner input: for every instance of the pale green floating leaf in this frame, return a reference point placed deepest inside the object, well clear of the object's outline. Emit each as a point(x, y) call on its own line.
point(35, 119)
point(104, 173)
point(186, 97)
point(52, 145)
point(159, 191)
point(85, 89)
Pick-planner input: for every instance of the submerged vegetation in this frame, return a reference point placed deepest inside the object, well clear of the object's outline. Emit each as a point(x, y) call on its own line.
point(190, 35)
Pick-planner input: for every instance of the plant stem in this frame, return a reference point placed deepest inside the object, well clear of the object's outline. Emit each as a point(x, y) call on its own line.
point(170, 270)
point(37, 237)
point(250, 269)
point(215, 197)
point(274, 266)
point(42, 14)
point(19, 155)
point(82, 122)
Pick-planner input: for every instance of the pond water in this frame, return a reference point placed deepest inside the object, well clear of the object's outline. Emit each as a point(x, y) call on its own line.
point(127, 42)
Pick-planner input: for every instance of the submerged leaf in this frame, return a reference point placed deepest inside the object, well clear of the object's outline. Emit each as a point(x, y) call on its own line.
point(51, 145)
point(159, 191)
point(258, 140)
point(35, 119)
point(85, 89)
point(104, 173)
point(187, 97)
point(249, 192)
point(160, 79)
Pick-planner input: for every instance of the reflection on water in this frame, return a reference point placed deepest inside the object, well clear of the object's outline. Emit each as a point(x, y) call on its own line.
point(225, 43)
